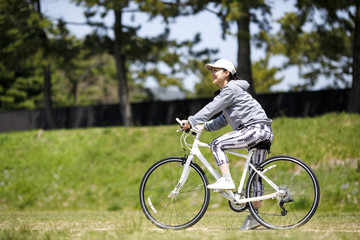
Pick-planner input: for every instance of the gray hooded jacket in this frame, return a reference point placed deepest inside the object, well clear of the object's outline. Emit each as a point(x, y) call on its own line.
point(239, 109)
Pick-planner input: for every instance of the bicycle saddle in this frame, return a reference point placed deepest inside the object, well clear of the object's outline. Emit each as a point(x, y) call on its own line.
point(262, 145)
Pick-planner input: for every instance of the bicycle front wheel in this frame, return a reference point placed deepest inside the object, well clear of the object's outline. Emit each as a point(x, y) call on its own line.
point(175, 212)
point(300, 193)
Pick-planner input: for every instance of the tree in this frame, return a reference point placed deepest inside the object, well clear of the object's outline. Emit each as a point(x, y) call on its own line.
point(354, 98)
point(55, 48)
point(88, 78)
point(239, 12)
point(20, 78)
point(29, 33)
point(205, 88)
point(242, 13)
point(119, 44)
point(129, 48)
point(264, 76)
point(32, 48)
point(185, 59)
point(46, 66)
point(137, 58)
point(330, 48)
point(120, 59)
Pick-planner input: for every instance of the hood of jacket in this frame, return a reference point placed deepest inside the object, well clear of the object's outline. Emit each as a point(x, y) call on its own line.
point(244, 85)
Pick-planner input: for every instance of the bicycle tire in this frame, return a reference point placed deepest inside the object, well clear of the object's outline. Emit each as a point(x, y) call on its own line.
point(182, 211)
point(301, 198)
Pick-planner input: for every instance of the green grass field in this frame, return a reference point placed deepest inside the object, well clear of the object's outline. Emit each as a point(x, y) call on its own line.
point(132, 225)
point(83, 183)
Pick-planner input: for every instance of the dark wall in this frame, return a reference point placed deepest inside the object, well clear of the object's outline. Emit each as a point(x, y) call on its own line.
point(293, 104)
point(304, 104)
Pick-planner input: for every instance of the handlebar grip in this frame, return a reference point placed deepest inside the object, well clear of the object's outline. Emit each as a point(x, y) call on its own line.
point(179, 121)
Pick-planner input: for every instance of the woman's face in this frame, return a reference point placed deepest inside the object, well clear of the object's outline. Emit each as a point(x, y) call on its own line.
point(220, 77)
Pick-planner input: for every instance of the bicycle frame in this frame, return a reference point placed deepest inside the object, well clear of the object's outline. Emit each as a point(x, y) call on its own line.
point(195, 151)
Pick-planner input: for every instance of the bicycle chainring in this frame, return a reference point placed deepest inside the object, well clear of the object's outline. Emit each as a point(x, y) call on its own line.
point(238, 207)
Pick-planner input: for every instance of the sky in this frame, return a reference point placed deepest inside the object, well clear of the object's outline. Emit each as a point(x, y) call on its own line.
point(183, 28)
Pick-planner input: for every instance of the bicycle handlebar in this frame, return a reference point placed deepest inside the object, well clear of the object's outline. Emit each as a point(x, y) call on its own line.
point(179, 121)
point(193, 129)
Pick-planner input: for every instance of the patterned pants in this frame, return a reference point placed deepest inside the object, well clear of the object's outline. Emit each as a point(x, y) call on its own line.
point(244, 138)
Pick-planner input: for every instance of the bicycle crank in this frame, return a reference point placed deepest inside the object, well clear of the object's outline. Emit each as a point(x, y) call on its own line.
point(238, 207)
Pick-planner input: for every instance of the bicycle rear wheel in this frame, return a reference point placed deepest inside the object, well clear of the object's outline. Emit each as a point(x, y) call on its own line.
point(301, 193)
point(178, 212)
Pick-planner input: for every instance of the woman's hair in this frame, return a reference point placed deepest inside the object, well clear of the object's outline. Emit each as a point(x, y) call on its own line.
point(235, 77)
point(232, 77)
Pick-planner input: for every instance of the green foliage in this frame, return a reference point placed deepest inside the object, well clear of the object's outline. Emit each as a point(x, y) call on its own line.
point(20, 81)
point(232, 11)
point(157, 58)
point(87, 80)
point(263, 76)
point(83, 71)
point(101, 168)
point(80, 70)
point(30, 42)
point(168, 62)
point(320, 48)
point(205, 88)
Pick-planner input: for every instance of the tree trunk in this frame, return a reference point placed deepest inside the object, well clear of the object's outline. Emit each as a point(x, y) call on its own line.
point(123, 91)
point(46, 71)
point(354, 98)
point(244, 62)
point(47, 97)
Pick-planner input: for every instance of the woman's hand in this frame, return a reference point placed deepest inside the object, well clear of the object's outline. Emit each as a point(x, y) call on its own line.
point(185, 124)
point(200, 127)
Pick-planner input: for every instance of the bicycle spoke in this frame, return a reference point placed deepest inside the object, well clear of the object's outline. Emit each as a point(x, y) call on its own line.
point(169, 210)
point(299, 197)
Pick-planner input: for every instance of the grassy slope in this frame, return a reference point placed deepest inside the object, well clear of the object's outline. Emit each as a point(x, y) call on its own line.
point(101, 168)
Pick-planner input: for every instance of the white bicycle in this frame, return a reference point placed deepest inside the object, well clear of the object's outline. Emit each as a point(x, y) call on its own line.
point(174, 194)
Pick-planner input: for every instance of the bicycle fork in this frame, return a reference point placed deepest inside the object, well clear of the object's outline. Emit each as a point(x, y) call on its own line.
point(184, 175)
point(194, 152)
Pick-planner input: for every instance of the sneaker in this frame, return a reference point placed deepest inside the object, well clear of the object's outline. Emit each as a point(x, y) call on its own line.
point(223, 184)
point(250, 223)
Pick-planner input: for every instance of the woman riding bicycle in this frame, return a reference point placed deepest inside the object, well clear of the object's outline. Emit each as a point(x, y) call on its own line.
point(246, 117)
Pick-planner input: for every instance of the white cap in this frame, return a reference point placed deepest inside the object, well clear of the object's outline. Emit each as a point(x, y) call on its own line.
point(222, 63)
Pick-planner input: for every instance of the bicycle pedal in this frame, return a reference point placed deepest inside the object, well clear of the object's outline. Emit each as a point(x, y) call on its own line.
point(217, 190)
